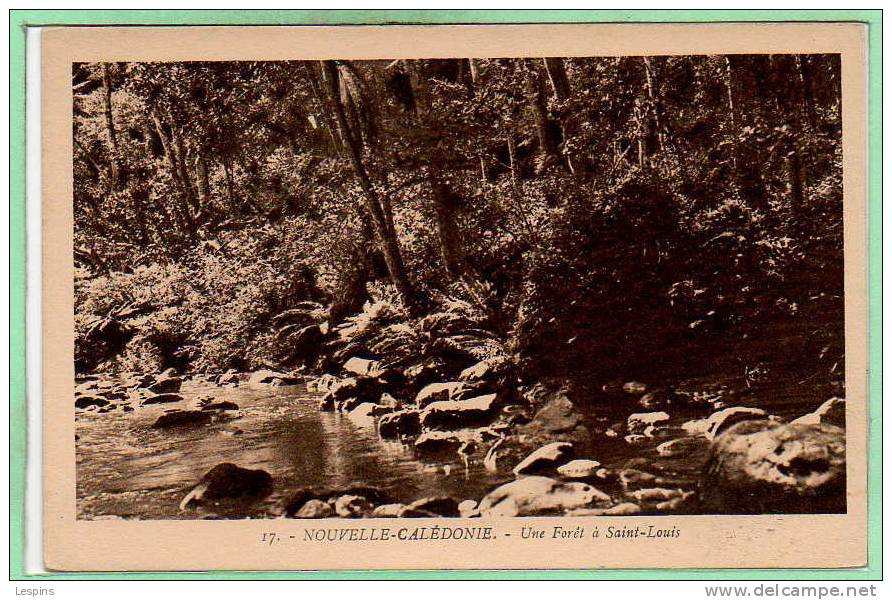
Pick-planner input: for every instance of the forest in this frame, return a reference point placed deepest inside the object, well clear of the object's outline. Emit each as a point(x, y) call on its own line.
point(572, 223)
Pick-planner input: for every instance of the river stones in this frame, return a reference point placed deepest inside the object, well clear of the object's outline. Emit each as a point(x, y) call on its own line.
point(221, 405)
point(635, 388)
point(831, 412)
point(680, 446)
point(230, 378)
point(167, 385)
point(367, 410)
point(352, 506)
point(323, 384)
point(436, 442)
point(581, 468)
point(315, 509)
point(268, 377)
point(544, 460)
point(448, 414)
point(720, 421)
point(182, 418)
point(399, 424)
point(228, 480)
point(477, 372)
point(87, 401)
point(437, 392)
point(639, 422)
point(438, 506)
point(162, 399)
point(536, 495)
point(761, 467)
point(362, 367)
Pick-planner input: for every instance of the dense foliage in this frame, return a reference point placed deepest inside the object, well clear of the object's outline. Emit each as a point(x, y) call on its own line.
point(592, 214)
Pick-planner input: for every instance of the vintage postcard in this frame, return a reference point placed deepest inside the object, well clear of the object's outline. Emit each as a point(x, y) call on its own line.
point(455, 297)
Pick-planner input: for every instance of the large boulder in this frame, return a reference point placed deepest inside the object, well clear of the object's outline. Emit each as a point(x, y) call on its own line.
point(448, 414)
point(227, 480)
point(557, 418)
point(323, 384)
point(362, 367)
point(403, 423)
point(305, 344)
point(437, 392)
point(167, 385)
point(545, 460)
point(182, 418)
point(759, 467)
point(581, 468)
point(539, 496)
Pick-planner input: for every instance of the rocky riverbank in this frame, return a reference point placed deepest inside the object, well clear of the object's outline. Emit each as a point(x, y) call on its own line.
point(554, 455)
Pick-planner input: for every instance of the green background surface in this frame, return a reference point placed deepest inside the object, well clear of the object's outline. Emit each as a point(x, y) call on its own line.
point(20, 20)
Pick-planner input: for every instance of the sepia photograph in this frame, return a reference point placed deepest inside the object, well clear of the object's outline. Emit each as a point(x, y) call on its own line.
point(459, 287)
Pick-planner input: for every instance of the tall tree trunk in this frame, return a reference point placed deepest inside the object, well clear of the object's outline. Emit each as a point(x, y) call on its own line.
point(557, 74)
point(185, 216)
point(536, 100)
point(654, 141)
point(182, 164)
point(560, 84)
point(381, 223)
point(117, 176)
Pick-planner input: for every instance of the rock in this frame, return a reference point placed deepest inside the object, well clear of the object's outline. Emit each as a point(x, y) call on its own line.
point(182, 418)
point(388, 511)
point(720, 421)
point(222, 405)
point(227, 480)
point(638, 422)
point(127, 408)
point(167, 373)
point(676, 503)
point(459, 413)
point(167, 385)
point(315, 509)
point(351, 506)
point(305, 343)
point(468, 508)
point(624, 508)
point(162, 399)
point(367, 410)
point(680, 446)
point(438, 392)
point(635, 388)
point(635, 478)
point(476, 372)
point(762, 467)
point(86, 401)
point(580, 468)
point(266, 376)
point(831, 412)
point(696, 427)
point(363, 389)
point(539, 496)
point(651, 495)
point(430, 371)
point(635, 438)
point(229, 378)
point(439, 506)
point(400, 424)
point(323, 384)
point(436, 442)
point(545, 460)
point(557, 419)
point(362, 367)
